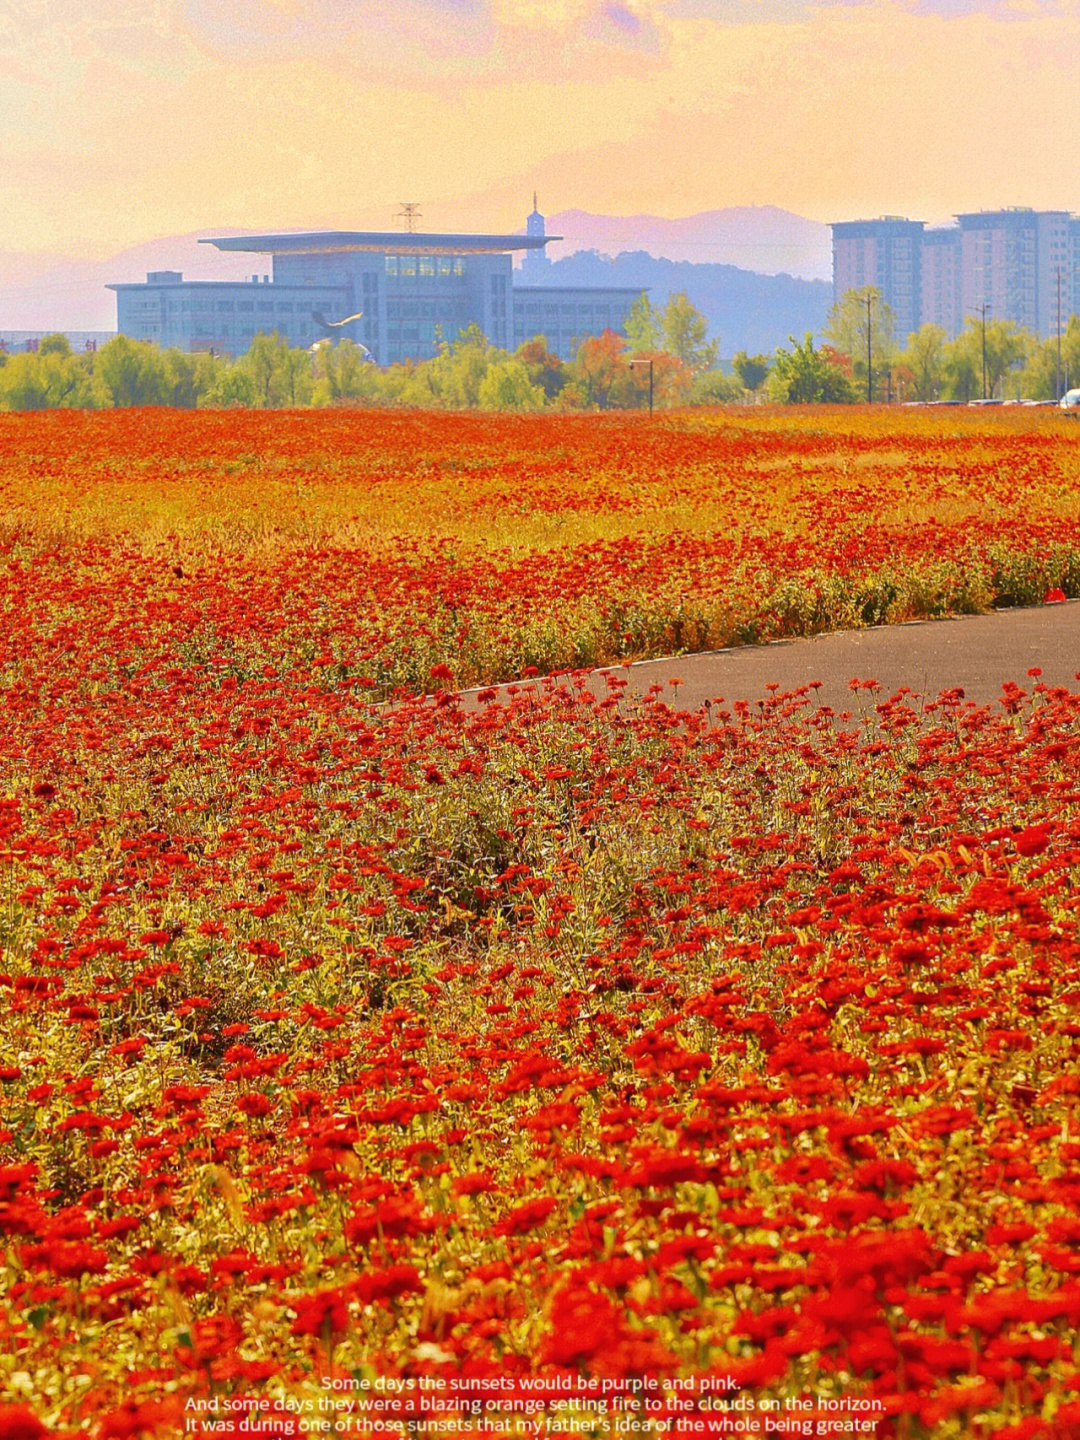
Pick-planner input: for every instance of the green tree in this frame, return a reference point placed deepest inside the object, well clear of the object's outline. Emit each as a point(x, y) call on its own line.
point(296, 377)
point(849, 322)
point(452, 378)
point(470, 355)
point(55, 344)
point(129, 372)
point(643, 326)
point(684, 329)
point(280, 374)
point(1043, 378)
point(1038, 380)
point(713, 387)
point(22, 383)
point(231, 388)
point(506, 386)
point(260, 362)
point(961, 372)
point(50, 381)
point(923, 358)
point(186, 378)
point(571, 396)
point(1070, 354)
point(752, 370)
point(342, 372)
point(989, 350)
point(804, 376)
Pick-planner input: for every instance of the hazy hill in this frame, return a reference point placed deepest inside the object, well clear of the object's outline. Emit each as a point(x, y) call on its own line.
point(755, 313)
point(759, 238)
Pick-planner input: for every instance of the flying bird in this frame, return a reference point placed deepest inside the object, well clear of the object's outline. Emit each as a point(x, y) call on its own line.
point(319, 318)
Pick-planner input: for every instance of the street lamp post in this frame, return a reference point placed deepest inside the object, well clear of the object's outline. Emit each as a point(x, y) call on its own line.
point(1057, 374)
point(982, 312)
point(649, 363)
point(869, 363)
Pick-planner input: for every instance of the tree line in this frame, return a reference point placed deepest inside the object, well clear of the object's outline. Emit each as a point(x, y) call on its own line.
point(860, 360)
point(608, 371)
point(664, 358)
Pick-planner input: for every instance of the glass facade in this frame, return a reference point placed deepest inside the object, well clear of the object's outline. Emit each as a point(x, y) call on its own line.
point(400, 296)
point(224, 317)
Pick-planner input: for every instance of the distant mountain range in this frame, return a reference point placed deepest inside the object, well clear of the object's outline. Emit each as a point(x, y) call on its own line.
point(759, 238)
point(758, 274)
point(745, 311)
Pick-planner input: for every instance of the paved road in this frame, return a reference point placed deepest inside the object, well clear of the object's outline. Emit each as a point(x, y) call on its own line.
point(978, 653)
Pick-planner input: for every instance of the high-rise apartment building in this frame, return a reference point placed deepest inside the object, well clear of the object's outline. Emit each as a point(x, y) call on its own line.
point(1073, 307)
point(1011, 262)
point(940, 293)
point(1002, 264)
point(886, 253)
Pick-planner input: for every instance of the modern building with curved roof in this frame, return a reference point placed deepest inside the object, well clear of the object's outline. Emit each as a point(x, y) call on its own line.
point(398, 293)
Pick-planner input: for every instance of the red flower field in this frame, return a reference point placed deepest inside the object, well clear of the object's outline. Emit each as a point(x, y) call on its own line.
point(408, 1068)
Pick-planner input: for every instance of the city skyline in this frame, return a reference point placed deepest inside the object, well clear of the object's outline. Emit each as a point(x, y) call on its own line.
point(1016, 264)
point(122, 123)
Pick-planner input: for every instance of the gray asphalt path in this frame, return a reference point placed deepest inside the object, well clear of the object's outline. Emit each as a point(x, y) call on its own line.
point(977, 653)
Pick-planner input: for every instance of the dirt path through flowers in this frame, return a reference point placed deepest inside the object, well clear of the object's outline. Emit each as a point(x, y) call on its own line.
point(977, 653)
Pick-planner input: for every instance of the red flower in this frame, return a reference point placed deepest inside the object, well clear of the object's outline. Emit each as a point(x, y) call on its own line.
point(321, 1313)
point(388, 1283)
point(525, 1217)
point(18, 1422)
point(254, 1104)
point(1032, 841)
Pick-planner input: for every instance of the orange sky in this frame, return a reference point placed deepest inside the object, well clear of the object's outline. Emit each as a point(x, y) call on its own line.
point(131, 119)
